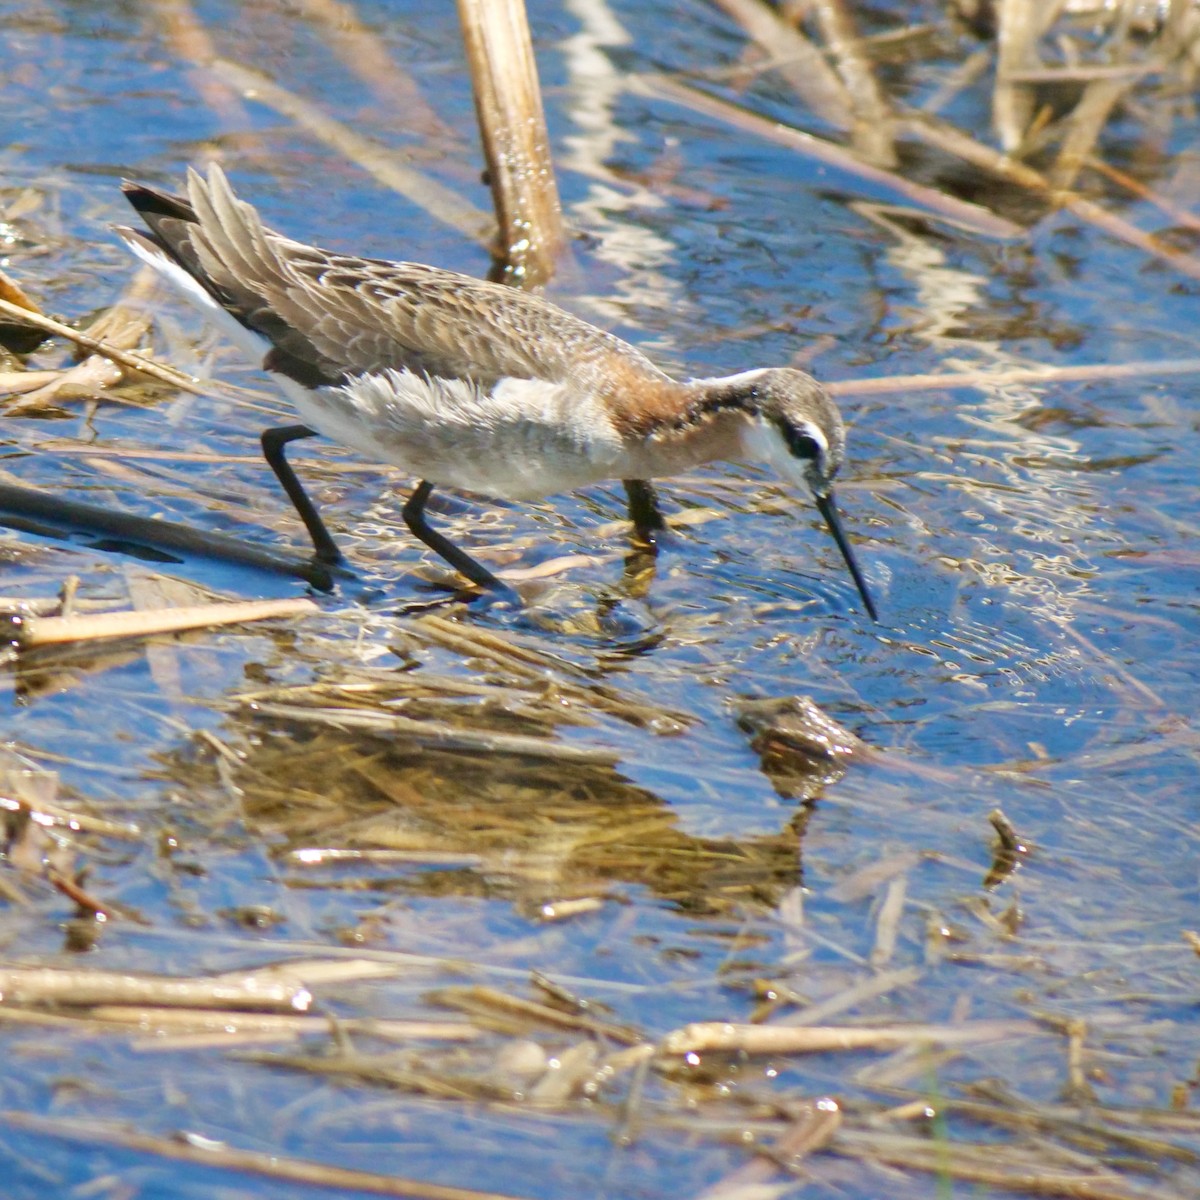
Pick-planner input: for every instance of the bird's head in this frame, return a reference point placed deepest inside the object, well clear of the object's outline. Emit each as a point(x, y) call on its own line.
point(794, 426)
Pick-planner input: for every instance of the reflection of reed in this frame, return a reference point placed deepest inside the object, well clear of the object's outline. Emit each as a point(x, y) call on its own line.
point(363, 54)
point(47, 515)
point(849, 99)
point(192, 43)
point(613, 208)
point(1025, 128)
point(387, 166)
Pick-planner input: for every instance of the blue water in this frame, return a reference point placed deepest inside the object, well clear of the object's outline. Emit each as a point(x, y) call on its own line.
point(1032, 549)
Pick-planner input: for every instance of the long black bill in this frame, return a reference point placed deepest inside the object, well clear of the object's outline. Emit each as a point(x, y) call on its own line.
point(830, 513)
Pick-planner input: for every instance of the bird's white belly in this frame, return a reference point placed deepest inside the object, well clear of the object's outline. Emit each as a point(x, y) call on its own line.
point(522, 440)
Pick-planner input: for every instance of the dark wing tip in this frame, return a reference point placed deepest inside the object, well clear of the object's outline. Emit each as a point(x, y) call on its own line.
point(150, 202)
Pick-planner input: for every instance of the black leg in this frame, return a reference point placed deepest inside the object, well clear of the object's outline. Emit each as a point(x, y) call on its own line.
point(463, 563)
point(648, 522)
point(273, 443)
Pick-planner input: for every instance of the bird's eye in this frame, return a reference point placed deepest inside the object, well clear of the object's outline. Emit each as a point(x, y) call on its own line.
point(800, 443)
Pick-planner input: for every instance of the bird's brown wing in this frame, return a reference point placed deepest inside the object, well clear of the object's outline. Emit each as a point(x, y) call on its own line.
point(333, 316)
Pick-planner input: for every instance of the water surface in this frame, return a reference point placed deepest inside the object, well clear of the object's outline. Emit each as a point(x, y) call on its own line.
point(1031, 548)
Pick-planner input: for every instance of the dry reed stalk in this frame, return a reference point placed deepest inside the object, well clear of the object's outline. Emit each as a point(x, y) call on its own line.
point(1019, 25)
point(31, 986)
point(508, 103)
point(717, 1036)
point(17, 383)
point(132, 362)
point(55, 631)
point(315, 856)
point(563, 910)
point(18, 335)
point(12, 291)
point(68, 818)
